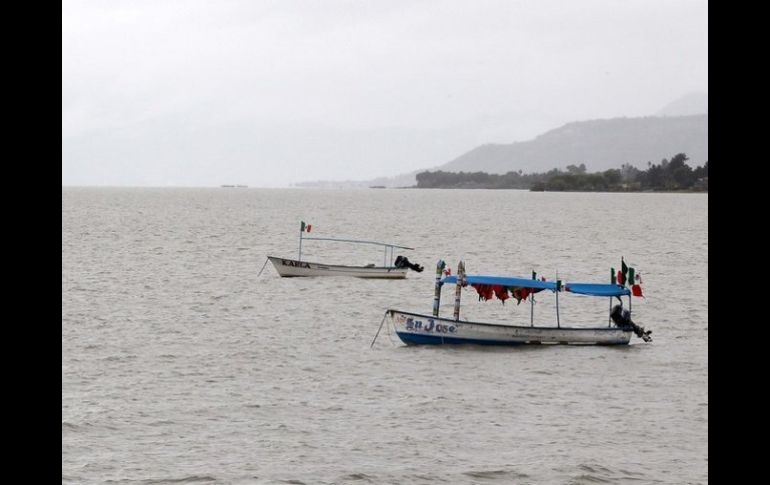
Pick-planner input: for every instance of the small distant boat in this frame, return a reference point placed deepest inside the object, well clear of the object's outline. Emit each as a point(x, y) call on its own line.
point(416, 328)
point(395, 269)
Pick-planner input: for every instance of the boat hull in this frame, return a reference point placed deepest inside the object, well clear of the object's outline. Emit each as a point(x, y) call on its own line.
point(419, 329)
point(293, 268)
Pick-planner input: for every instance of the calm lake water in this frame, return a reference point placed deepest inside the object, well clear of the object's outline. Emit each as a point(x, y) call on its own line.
point(181, 365)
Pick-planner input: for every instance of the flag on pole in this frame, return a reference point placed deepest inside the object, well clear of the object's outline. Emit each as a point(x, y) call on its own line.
point(624, 271)
point(636, 287)
point(304, 227)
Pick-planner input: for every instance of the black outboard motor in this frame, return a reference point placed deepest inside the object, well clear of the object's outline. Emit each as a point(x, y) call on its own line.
point(622, 319)
point(403, 262)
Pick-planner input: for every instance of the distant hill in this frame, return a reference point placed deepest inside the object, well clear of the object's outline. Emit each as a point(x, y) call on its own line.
point(679, 127)
point(600, 144)
point(690, 104)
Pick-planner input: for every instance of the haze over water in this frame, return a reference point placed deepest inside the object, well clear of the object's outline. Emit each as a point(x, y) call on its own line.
point(180, 364)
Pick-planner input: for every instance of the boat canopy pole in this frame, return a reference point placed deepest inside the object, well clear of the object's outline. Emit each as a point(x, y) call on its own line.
point(558, 288)
point(356, 241)
point(385, 257)
point(532, 304)
point(612, 281)
point(437, 292)
point(632, 279)
point(459, 288)
point(387, 246)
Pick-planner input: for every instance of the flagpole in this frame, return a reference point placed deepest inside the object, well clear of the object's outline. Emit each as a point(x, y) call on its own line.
point(301, 230)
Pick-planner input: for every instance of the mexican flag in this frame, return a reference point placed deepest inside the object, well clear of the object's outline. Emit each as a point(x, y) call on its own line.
point(623, 271)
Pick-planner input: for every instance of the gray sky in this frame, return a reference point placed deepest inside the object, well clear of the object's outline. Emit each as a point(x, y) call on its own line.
point(269, 93)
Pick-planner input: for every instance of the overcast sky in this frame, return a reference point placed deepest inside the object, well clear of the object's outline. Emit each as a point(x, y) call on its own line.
point(270, 93)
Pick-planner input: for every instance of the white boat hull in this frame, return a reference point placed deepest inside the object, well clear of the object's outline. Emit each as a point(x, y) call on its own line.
point(291, 267)
point(415, 329)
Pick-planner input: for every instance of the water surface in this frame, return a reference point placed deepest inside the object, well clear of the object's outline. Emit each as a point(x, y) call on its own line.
point(179, 364)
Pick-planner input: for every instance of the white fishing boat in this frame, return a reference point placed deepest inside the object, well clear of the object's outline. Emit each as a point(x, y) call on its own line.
point(294, 267)
point(418, 328)
point(390, 269)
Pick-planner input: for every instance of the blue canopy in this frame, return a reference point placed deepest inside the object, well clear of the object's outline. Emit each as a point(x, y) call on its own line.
point(597, 289)
point(503, 281)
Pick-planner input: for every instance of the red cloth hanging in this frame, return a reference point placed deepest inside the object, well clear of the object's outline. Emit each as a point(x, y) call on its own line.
point(485, 292)
point(501, 292)
point(520, 294)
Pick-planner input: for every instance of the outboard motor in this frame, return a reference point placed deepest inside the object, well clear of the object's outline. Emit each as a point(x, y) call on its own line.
point(622, 319)
point(403, 262)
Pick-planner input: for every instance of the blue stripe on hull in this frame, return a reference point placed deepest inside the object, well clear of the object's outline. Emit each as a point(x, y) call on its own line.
point(415, 339)
point(411, 338)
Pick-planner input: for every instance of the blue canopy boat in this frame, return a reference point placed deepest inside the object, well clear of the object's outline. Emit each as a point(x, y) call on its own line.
point(417, 328)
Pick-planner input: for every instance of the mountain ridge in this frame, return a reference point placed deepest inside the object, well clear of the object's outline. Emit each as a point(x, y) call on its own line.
point(679, 127)
point(600, 144)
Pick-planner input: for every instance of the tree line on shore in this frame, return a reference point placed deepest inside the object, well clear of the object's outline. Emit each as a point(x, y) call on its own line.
point(668, 175)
